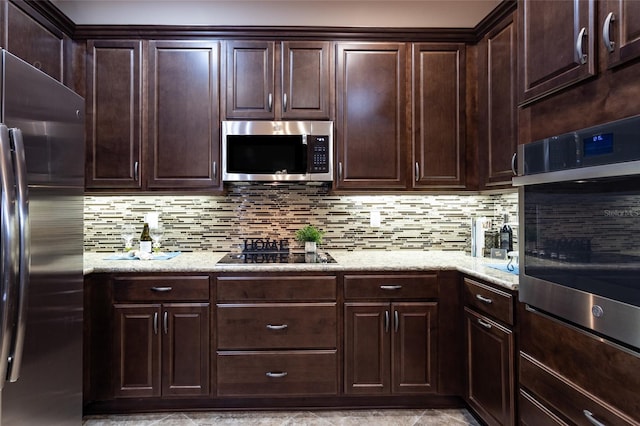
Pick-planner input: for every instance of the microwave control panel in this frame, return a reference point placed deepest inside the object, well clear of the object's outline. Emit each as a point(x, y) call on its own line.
point(318, 153)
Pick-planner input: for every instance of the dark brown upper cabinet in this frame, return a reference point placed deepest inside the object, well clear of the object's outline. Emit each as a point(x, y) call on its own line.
point(439, 116)
point(620, 20)
point(270, 80)
point(183, 127)
point(497, 111)
point(556, 45)
point(371, 115)
point(35, 41)
point(114, 110)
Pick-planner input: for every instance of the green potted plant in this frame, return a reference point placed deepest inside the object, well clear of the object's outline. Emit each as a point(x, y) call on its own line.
point(310, 236)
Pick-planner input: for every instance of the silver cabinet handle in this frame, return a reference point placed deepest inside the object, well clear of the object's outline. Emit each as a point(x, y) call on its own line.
point(161, 289)
point(417, 171)
point(276, 375)
point(165, 322)
point(582, 57)
point(606, 32)
point(155, 323)
point(514, 163)
point(484, 324)
point(24, 261)
point(396, 319)
point(386, 321)
point(284, 102)
point(589, 415)
point(136, 171)
point(214, 169)
point(484, 299)
point(270, 101)
point(390, 287)
point(277, 327)
point(340, 170)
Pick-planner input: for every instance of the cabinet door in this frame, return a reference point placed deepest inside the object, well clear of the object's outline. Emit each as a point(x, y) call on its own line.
point(113, 114)
point(557, 42)
point(137, 350)
point(185, 349)
point(372, 111)
point(250, 84)
point(620, 20)
point(498, 135)
point(183, 115)
point(439, 116)
point(305, 80)
point(490, 369)
point(367, 346)
point(39, 43)
point(414, 347)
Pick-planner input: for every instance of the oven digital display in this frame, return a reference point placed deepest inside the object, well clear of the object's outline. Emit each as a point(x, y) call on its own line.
point(598, 144)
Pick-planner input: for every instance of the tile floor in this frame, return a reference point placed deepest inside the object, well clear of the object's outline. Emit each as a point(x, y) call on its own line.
point(411, 417)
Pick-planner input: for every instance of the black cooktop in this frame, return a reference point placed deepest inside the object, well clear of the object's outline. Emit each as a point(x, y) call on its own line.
point(275, 257)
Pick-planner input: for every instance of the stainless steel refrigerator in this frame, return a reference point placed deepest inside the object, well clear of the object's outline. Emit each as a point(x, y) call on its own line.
point(41, 206)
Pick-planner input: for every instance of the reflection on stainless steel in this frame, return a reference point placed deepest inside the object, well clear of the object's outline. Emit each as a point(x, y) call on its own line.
point(48, 388)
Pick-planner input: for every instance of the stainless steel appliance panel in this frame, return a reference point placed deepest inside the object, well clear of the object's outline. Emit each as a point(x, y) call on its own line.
point(48, 389)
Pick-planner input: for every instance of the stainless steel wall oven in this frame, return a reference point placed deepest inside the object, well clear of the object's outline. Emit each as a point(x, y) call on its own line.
point(579, 201)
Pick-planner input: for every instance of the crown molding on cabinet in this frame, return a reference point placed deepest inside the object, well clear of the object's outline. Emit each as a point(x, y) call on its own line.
point(53, 15)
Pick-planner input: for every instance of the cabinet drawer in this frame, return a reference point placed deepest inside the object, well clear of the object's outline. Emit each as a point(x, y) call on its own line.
point(276, 288)
point(283, 373)
point(564, 398)
point(277, 326)
point(488, 300)
point(175, 288)
point(390, 287)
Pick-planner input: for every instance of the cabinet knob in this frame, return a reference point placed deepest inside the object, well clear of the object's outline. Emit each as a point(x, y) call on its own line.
point(276, 375)
point(484, 324)
point(589, 415)
point(284, 102)
point(514, 164)
point(606, 32)
point(161, 289)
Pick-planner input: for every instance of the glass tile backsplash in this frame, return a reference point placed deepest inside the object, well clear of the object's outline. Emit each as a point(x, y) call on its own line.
point(221, 223)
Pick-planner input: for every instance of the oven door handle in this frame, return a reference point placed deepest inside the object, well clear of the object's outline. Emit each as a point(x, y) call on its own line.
point(629, 168)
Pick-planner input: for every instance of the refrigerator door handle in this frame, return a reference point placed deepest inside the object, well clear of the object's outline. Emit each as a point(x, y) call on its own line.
point(8, 250)
point(22, 198)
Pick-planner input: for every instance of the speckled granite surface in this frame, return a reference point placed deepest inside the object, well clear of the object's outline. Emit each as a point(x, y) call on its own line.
point(360, 260)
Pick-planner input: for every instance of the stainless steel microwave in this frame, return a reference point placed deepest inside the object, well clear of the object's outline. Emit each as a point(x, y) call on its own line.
point(277, 151)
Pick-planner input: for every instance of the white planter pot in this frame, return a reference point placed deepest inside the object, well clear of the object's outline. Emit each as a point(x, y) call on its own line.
point(310, 246)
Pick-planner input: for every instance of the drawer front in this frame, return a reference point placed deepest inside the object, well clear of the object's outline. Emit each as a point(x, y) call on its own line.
point(238, 289)
point(284, 373)
point(488, 300)
point(277, 326)
point(564, 398)
point(389, 287)
point(174, 288)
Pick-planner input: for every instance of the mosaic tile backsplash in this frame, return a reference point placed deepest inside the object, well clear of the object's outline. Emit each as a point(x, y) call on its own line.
point(222, 222)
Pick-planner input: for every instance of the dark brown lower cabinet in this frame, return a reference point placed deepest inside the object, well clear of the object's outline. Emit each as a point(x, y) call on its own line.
point(570, 376)
point(390, 348)
point(490, 369)
point(490, 345)
point(161, 349)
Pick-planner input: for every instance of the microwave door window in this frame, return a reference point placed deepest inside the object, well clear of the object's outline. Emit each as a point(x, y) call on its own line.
point(266, 154)
point(584, 235)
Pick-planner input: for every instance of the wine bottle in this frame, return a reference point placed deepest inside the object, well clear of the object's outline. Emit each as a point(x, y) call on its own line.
point(506, 235)
point(145, 239)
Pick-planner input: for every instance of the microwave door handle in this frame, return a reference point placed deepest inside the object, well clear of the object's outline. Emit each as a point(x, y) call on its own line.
point(8, 247)
point(25, 252)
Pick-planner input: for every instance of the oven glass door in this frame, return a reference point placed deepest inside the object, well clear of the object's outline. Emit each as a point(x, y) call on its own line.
point(585, 235)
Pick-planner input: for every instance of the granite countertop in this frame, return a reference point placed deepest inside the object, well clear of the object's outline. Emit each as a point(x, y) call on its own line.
point(361, 260)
